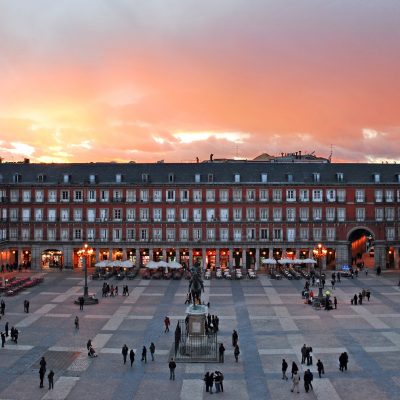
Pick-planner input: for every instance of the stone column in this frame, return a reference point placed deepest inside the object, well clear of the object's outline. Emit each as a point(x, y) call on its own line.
point(151, 254)
point(342, 255)
point(231, 251)
point(380, 255)
point(244, 258)
point(190, 257)
point(137, 255)
point(36, 257)
point(217, 259)
point(204, 258)
point(257, 258)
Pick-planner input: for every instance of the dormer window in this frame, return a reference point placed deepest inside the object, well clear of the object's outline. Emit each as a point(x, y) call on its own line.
point(16, 178)
point(145, 178)
point(210, 178)
point(289, 177)
point(376, 178)
point(264, 177)
point(92, 178)
point(66, 178)
point(316, 176)
point(398, 178)
point(339, 176)
point(237, 178)
point(1, 178)
point(41, 178)
point(197, 178)
point(171, 177)
point(118, 178)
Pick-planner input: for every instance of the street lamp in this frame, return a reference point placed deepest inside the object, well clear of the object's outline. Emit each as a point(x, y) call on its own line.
point(319, 253)
point(85, 253)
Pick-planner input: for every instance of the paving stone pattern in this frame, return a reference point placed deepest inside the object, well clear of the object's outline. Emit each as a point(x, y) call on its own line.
point(271, 318)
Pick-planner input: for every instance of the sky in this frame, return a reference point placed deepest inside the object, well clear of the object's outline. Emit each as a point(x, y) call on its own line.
point(172, 80)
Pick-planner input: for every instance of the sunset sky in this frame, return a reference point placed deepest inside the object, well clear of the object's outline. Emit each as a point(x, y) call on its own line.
point(145, 80)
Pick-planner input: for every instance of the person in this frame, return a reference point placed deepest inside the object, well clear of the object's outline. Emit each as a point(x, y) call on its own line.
point(167, 323)
point(152, 350)
point(220, 380)
point(295, 368)
point(50, 377)
point(92, 352)
point(296, 382)
point(81, 302)
point(303, 353)
point(236, 352)
point(3, 339)
point(76, 323)
point(221, 351)
point(284, 369)
point(360, 299)
point(320, 368)
point(2, 307)
point(206, 380)
point(124, 352)
point(43, 363)
point(144, 354)
point(338, 276)
point(6, 328)
point(343, 360)
point(41, 376)
point(378, 270)
point(335, 302)
point(25, 305)
point(366, 272)
point(333, 284)
point(217, 382)
point(235, 338)
point(355, 299)
point(309, 355)
point(172, 366)
point(132, 356)
point(89, 344)
point(368, 294)
point(308, 377)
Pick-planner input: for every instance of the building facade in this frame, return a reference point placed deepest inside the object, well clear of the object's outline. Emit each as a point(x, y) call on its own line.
point(217, 213)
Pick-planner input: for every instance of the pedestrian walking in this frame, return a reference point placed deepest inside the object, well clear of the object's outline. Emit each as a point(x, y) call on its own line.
point(320, 368)
point(235, 338)
point(236, 352)
point(366, 272)
point(221, 351)
point(284, 369)
point(296, 382)
point(132, 356)
point(355, 299)
point(3, 339)
point(152, 350)
point(144, 354)
point(308, 378)
point(6, 329)
point(81, 302)
point(303, 353)
point(172, 366)
point(335, 302)
point(43, 363)
point(124, 352)
point(50, 377)
point(167, 323)
point(295, 368)
point(343, 360)
point(42, 372)
point(76, 323)
point(360, 299)
point(368, 294)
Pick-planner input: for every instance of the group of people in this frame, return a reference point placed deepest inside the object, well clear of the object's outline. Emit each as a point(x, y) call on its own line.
point(91, 351)
point(42, 373)
point(125, 352)
point(235, 344)
point(214, 378)
point(15, 266)
point(211, 324)
point(306, 355)
point(358, 299)
point(112, 290)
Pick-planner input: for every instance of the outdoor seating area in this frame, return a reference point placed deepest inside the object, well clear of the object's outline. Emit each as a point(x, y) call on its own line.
point(162, 270)
point(251, 273)
point(15, 285)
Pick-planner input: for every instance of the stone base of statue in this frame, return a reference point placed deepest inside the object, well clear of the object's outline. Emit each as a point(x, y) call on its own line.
point(87, 300)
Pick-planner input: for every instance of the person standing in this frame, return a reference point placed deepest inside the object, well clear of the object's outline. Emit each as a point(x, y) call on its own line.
point(172, 366)
point(6, 328)
point(335, 302)
point(76, 323)
point(295, 368)
point(303, 353)
point(284, 369)
point(235, 338)
point(132, 356)
point(124, 352)
point(360, 299)
point(2, 307)
point(50, 377)
point(236, 352)
point(43, 363)
point(152, 350)
point(308, 377)
point(81, 302)
point(206, 379)
point(167, 323)
point(27, 306)
point(355, 299)
point(221, 351)
point(368, 294)
point(144, 354)
point(296, 381)
point(3, 339)
point(42, 372)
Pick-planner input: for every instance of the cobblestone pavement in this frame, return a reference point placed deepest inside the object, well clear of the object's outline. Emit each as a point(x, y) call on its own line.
point(271, 318)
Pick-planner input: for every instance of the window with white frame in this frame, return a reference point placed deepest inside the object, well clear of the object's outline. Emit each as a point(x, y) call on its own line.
point(144, 195)
point(290, 195)
point(103, 214)
point(290, 214)
point(331, 195)
point(77, 234)
point(316, 176)
point(339, 176)
point(210, 195)
point(51, 214)
point(197, 234)
point(91, 195)
point(389, 213)
point(171, 214)
point(237, 234)
point(224, 214)
point(144, 214)
point(304, 233)
point(197, 214)
point(117, 234)
point(38, 214)
point(304, 214)
point(104, 196)
point(131, 196)
point(389, 195)
point(184, 214)
point(341, 195)
point(341, 214)
point(197, 197)
point(118, 178)
point(26, 196)
point(78, 195)
point(52, 196)
point(237, 178)
point(264, 214)
point(39, 196)
point(117, 214)
point(104, 234)
point(360, 195)
point(157, 195)
point(130, 234)
point(360, 214)
point(264, 177)
point(91, 214)
point(277, 195)
point(14, 196)
point(38, 234)
point(64, 214)
point(289, 177)
point(144, 234)
point(13, 214)
point(304, 195)
point(13, 233)
point(250, 195)
point(317, 234)
point(51, 234)
point(25, 233)
point(223, 195)
point(376, 177)
point(157, 214)
point(26, 214)
point(145, 178)
point(183, 234)
point(224, 234)
point(390, 233)
point(398, 193)
point(210, 215)
point(184, 195)
point(263, 193)
point(77, 214)
point(277, 232)
point(264, 234)
point(157, 234)
point(378, 196)
point(90, 234)
point(237, 194)
point(237, 214)
point(197, 178)
point(92, 178)
point(330, 214)
point(317, 195)
point(66, 178)
point(64, 195)
point(117, 195)
point(291, 234)
point(251, 234)
point(378, 214)
point(170, 195)
point(64, 234)
point(317, 214)
point(210, 234)
point(130, 214)
point(277, 214)
point(251, 214)
point(330, 233)
point(210, 178)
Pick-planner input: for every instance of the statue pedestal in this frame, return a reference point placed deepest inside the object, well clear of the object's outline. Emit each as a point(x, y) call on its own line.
point(196, 319)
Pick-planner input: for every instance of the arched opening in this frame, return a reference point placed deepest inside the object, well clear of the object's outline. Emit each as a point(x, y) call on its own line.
point(361, 247)
point(52, 258)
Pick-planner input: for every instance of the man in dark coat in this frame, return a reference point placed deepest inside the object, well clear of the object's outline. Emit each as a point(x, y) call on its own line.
point(284, 369)
point(320, 368)
point(172, 366)
point(144, 354)
point(221, 351)
point(132, 356)
point(235, 338)
point(308, 377)
point(124, 352)
point(50, 377)
point(42, 371)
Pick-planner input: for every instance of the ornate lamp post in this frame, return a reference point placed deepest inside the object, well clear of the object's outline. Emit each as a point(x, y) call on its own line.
point(319, 253)
point(85, 253)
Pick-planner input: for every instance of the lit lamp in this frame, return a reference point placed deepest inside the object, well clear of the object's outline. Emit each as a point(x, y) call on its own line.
point(85, 253)
point(319, 253)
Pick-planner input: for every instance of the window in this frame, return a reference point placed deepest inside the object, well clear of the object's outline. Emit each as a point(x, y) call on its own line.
point(104, 196)
point(52, 196)
point(339, 176)
point(317, 234)
point(39, 196)
point(183, 234)
point(277, 214)
point(304, 214)
point(291, 234)
point(237, 194)
point(360, 214)
point(341, 195)
point(330, 214)
point(376, 178)
point(170, 214)
point(330, 195)
point(210, 195)
point(290, 195)
point(304, 195)
point(130, 234)
point(330, 233)
point(14, 196)
point(264, 234)
point(17, 178)
point(224, 215)
point(51, 215)
point(90, 234)
point(118, 178)
point(145, 178)
point(251, 234)
point(237, 214)
point(157, 195)
point(157, 234)
point(131, 196)
point(13, 214)
point(317, 214)
point(316, 176)
point(144, 234)
point(197, 178)
point(197, 197)
point(291, 214)
point(341, 214)
point(92, 178)
point(144, 195)
point(264, 178)
point(360, 195)
point(51, 234)
point(157, 214)
point(65, 195)
point(117, 214)
point(64, 234)
point(277, 232)
point(117, 196)
point(170, 195)
point(289, 177)
point(91, 194)
point(390, 233)
point(25, 233)
point(130, 214)
point(250, 214)
point(104, 234)
point(237, 178)
point(197, 234)
point(103, 214)
point(77, 234)
point(38, 234)
point(389, 195)
point(210, 178)
point(277, 195)
point(389, 213)
point(250, 195)
point(78, 195)
point(38, 214)
point(264, 214)
point(378, 214)
point(144, 214)
point(210, 234)
point(237, 234)
point(77, 214)
point(117, 234)
point(378, 196)
point(91, 215)
point(64, 214)
point(210, 212)
point(197, 214)
point(223, 195)
point(184, 195)
point(224, 234)
point(317, 195)
point(13, 233)
point(304, 234)
point(66, 178)
point(26, 196)
point(263, 195)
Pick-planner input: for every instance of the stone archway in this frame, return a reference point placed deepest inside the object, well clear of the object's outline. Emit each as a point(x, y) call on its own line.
point(360, 241)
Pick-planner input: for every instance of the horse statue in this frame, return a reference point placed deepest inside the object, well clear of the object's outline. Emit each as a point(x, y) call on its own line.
point(196, 286)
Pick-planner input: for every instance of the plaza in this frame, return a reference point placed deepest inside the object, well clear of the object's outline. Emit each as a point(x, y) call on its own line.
point(270, 317)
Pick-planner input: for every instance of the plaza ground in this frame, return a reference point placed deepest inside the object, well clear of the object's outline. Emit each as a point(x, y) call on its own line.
point(270, 316)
